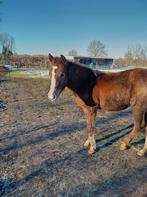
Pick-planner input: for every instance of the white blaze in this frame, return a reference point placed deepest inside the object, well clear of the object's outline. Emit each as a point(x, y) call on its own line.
point(53, 84)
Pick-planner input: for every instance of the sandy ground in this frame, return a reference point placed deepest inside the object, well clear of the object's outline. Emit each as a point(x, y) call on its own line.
point(41, 147)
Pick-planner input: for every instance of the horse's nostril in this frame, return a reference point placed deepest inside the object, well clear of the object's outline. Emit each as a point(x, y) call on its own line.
point(54, 97)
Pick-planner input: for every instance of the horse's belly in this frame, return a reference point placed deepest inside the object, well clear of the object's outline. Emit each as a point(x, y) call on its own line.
point(114, 104)
point(112, 96)
point(113, 107)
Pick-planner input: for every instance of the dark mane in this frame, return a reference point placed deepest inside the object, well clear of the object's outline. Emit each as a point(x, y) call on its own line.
point(97, 73)
point(85, 79)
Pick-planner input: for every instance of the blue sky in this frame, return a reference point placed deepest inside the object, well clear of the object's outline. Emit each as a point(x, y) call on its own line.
point(57, 26)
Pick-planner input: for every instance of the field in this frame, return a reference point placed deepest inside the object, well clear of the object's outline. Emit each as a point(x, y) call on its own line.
point(41, 147)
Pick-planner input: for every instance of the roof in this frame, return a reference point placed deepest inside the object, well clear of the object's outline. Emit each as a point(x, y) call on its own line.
point(87, 57)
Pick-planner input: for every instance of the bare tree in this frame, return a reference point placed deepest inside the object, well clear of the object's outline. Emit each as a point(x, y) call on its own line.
point(140, 51)
point(129, 56)
point(73, 52)
point(97, 49)
point(7, 44)
point(136, 55)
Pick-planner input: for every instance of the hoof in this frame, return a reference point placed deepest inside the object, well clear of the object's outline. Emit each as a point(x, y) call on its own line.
point(91, 150)
point(123, 146)
point(141, 153)
point(86, 144)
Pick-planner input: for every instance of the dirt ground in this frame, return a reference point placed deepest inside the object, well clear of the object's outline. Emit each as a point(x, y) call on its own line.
point(41, 147)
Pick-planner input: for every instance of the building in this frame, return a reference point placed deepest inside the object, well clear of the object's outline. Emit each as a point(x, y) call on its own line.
point(93, 62)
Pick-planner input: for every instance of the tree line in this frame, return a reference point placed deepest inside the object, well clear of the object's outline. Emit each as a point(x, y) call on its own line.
point(135, 55)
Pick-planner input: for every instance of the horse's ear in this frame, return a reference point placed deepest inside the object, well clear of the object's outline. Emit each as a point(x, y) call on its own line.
point(50, 57)
point(63, 59)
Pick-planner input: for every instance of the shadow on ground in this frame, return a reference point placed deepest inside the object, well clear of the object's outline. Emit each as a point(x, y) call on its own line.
point(80, 159)
point(116, 185)
point(73, 127)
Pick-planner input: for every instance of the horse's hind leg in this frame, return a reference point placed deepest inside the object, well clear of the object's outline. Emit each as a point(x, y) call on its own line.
point(138, 113)
point(144, 150)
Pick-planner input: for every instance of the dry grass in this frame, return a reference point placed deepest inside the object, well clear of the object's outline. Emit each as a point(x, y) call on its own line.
point(19, 75)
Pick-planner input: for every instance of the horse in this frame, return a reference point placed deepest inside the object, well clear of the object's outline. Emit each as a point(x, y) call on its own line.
point(95, 90)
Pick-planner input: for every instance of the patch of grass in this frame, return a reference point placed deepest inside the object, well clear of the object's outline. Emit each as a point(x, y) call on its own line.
point(16, 74)
point(21, 69)
point(1, 65)
point(19, 74)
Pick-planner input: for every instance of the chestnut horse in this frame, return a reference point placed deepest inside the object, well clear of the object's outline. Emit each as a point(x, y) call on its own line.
point(95, 90)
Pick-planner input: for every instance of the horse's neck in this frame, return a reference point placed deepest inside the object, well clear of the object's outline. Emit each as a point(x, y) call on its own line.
point(78, 76)
point(81, 81)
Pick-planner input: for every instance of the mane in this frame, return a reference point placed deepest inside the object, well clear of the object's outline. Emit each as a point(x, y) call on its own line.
point(95, 72)
point(78, 64)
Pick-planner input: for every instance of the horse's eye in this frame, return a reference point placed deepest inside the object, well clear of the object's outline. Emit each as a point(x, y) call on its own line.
point(62, 75)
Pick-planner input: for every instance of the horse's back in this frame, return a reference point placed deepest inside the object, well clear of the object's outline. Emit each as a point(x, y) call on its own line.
point(126, 79)
point(114, 91)
point(138, 76)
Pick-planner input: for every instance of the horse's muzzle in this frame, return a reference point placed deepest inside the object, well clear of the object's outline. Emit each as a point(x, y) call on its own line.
point(52, 97)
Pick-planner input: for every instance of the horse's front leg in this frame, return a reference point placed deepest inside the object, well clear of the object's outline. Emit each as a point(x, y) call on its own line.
point(91, 121)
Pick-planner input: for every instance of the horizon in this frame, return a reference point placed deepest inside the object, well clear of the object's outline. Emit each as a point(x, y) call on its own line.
point(57, 27)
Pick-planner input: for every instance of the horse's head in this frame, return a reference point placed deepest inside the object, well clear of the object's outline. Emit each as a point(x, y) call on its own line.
point(58, 76)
